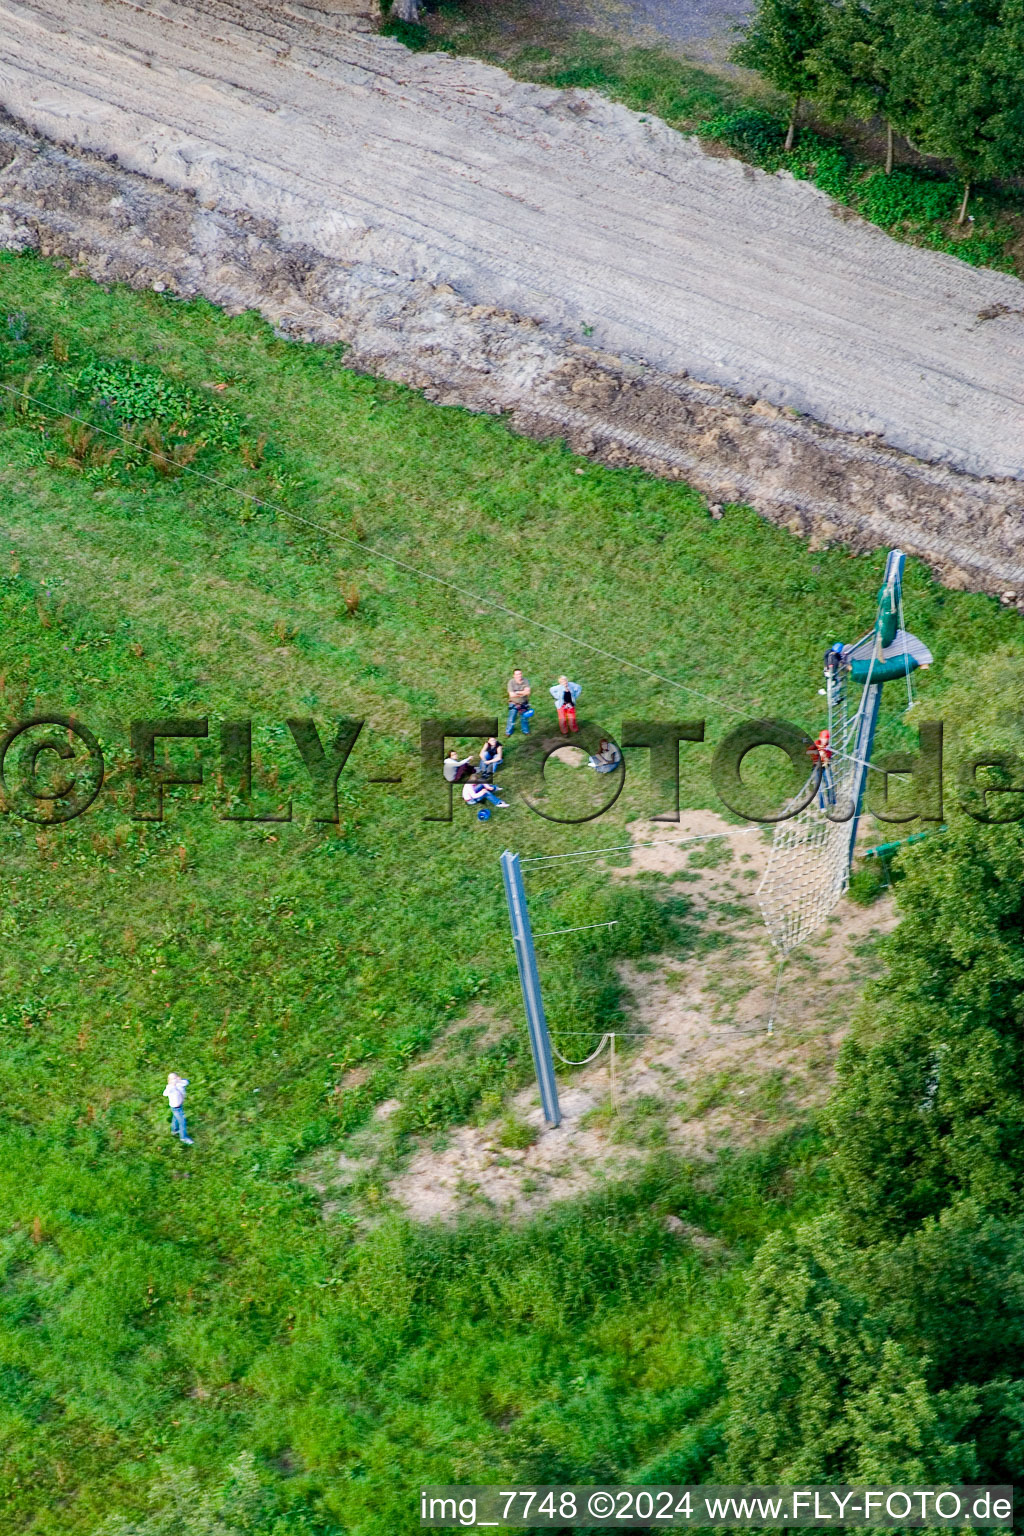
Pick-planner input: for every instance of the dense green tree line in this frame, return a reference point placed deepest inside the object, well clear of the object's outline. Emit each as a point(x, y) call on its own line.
point(948, 75)
point(885, 1340)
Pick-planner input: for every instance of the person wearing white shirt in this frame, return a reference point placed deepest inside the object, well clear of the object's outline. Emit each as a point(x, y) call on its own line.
point(607, 757)
point(456, 768)
point(565, 695)
point(475, 792)
point(174, 1093)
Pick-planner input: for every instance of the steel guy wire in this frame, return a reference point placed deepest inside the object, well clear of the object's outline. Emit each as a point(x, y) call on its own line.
point(549, 933)
point(395, 560)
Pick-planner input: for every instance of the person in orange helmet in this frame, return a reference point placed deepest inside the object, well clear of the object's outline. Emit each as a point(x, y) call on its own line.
point(820, 748)
point(820, 753)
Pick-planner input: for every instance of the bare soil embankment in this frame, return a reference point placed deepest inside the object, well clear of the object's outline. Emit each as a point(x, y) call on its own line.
point(541, 253)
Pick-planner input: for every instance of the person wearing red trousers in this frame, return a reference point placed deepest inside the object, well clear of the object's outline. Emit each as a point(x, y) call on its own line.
point(565, 695)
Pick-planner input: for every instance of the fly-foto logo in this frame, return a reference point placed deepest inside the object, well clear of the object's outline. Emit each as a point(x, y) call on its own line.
point(52, 770)
point(52, 767)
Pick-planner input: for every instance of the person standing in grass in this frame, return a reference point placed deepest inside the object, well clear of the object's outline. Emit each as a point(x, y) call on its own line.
point(518, 703)
point(174, 1093)
point(565, 695)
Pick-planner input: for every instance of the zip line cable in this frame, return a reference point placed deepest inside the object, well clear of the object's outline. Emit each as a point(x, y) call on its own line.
point(395, 560)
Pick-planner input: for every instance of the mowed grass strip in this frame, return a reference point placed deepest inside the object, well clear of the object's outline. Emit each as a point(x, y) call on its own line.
point(167, 1307)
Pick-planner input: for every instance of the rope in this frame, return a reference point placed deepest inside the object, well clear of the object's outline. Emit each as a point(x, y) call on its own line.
point(607, 1039)
point(394, 560)
point(775, 996)
point(567, 1062)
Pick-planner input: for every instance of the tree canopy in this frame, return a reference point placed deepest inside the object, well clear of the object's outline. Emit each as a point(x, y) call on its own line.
point(780, 44)
point(885, 1340)
point(947, 74)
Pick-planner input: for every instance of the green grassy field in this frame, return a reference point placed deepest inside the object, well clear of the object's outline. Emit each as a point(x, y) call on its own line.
point(168, 1308)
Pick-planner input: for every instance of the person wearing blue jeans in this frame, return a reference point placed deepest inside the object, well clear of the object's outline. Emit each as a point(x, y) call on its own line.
point(475, 792)
point(607, 757)
point(174, 1093)
point(490, 759)
point(518, 704)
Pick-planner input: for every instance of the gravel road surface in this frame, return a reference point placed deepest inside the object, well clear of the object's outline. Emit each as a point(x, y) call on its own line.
point(699, 29)
point(561, 207)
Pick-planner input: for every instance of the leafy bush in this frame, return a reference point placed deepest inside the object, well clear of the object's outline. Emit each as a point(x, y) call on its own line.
point(929, 1107)
point(819, 1390)
point(869, 881)
point(133, 394)
point(751, 131)
point(905, 197)
point(829, 168)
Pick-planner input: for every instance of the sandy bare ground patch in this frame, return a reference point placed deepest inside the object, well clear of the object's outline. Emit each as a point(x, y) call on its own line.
point(558, 206)
point(695, 1066)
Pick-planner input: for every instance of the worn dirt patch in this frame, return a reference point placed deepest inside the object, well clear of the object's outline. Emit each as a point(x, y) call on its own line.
point(695, 1067)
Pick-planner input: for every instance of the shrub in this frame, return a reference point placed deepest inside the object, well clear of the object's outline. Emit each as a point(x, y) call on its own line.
point(749, 131)
point(516, 1133)
point(870, 880)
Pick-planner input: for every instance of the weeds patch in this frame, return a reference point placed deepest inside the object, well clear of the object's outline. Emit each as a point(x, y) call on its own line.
point(115, 419)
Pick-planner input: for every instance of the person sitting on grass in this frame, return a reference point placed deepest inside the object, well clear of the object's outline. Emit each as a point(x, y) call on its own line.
point(490, 758)
point(607, 757)
point(457, 768)
point(565, 695)
point(518, 703)
point(475, 792)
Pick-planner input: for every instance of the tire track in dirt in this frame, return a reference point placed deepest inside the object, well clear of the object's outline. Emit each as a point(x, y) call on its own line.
point(561, 206)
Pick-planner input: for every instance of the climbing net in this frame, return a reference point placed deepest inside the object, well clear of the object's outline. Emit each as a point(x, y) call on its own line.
point(809, 864)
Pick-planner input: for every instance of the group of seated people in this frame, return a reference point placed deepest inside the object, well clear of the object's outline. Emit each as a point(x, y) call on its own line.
point(477, 777)
point(476, 774)
point(457, 768)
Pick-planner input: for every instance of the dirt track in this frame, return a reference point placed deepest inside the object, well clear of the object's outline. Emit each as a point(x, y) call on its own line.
point(524, 249)
point(698, 29)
